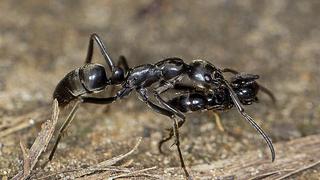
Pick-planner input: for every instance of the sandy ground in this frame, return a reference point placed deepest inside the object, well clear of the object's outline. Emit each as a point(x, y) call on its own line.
point(41, 41)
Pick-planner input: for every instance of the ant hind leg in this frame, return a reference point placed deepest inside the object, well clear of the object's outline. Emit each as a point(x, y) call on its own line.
point(95, 38)
point(63, 128)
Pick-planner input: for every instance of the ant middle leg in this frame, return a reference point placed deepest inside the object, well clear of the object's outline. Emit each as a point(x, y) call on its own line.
point(180, 87)
point(172, 115)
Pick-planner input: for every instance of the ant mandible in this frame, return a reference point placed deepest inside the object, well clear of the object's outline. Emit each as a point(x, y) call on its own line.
point(159, 77)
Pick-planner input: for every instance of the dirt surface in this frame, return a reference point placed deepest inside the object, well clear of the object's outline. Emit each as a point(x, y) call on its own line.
point(41, 41)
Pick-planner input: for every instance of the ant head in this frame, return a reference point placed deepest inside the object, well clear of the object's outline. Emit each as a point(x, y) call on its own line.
point(246, 87)
point(117, 76)
point(93, 77)
point(205, 72)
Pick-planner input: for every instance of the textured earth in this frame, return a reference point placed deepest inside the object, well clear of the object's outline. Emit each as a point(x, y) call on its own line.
point(40, 41)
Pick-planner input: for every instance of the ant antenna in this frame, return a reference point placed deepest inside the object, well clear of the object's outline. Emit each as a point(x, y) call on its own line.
point(251, 120)
point(269, 93)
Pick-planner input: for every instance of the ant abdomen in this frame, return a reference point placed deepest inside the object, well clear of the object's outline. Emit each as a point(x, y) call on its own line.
point(84, 80)
point(189, 103)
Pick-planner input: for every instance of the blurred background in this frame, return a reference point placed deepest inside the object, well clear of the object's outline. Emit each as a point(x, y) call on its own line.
point(40, 41)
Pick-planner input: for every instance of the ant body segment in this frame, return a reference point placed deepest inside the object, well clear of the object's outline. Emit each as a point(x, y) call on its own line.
point(155, 79)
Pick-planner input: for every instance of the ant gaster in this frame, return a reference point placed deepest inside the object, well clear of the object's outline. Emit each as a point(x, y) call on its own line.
point(159, 77)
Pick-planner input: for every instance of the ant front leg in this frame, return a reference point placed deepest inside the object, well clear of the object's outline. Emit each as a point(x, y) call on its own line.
point(251, 121)
point(145, 98)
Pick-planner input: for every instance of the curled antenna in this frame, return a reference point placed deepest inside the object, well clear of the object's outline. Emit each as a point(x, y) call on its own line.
point(250, 120)
point(269, 93)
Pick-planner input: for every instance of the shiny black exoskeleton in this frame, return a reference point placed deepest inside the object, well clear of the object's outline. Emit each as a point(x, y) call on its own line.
point(219, 99)
point(151, 79)
point(91, 77)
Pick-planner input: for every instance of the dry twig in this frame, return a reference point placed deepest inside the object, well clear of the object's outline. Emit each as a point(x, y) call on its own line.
point(107, 165)
point(299, 170)
point(22, 122)
point(132, 173)
point(292, 157)
point(30, 157)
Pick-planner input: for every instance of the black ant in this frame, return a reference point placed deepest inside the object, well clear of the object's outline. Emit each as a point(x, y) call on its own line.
point(159, 77)
point(196, 99)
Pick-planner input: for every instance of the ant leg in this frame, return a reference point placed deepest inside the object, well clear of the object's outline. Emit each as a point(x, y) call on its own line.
point(218, 120)
point(177, 143)
point(166, 105)
point(72, 114)
point(177, 125)
point(63, 128)
point(158, 91)
point(144, 96)
point(97, 100)
point(163, 140)
point(166, 85)
point(175, 111)
point(97, 39)
point(171, 133)
point(262, 88)
point(143, 93)
point(251, 120)
point(122, 61)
